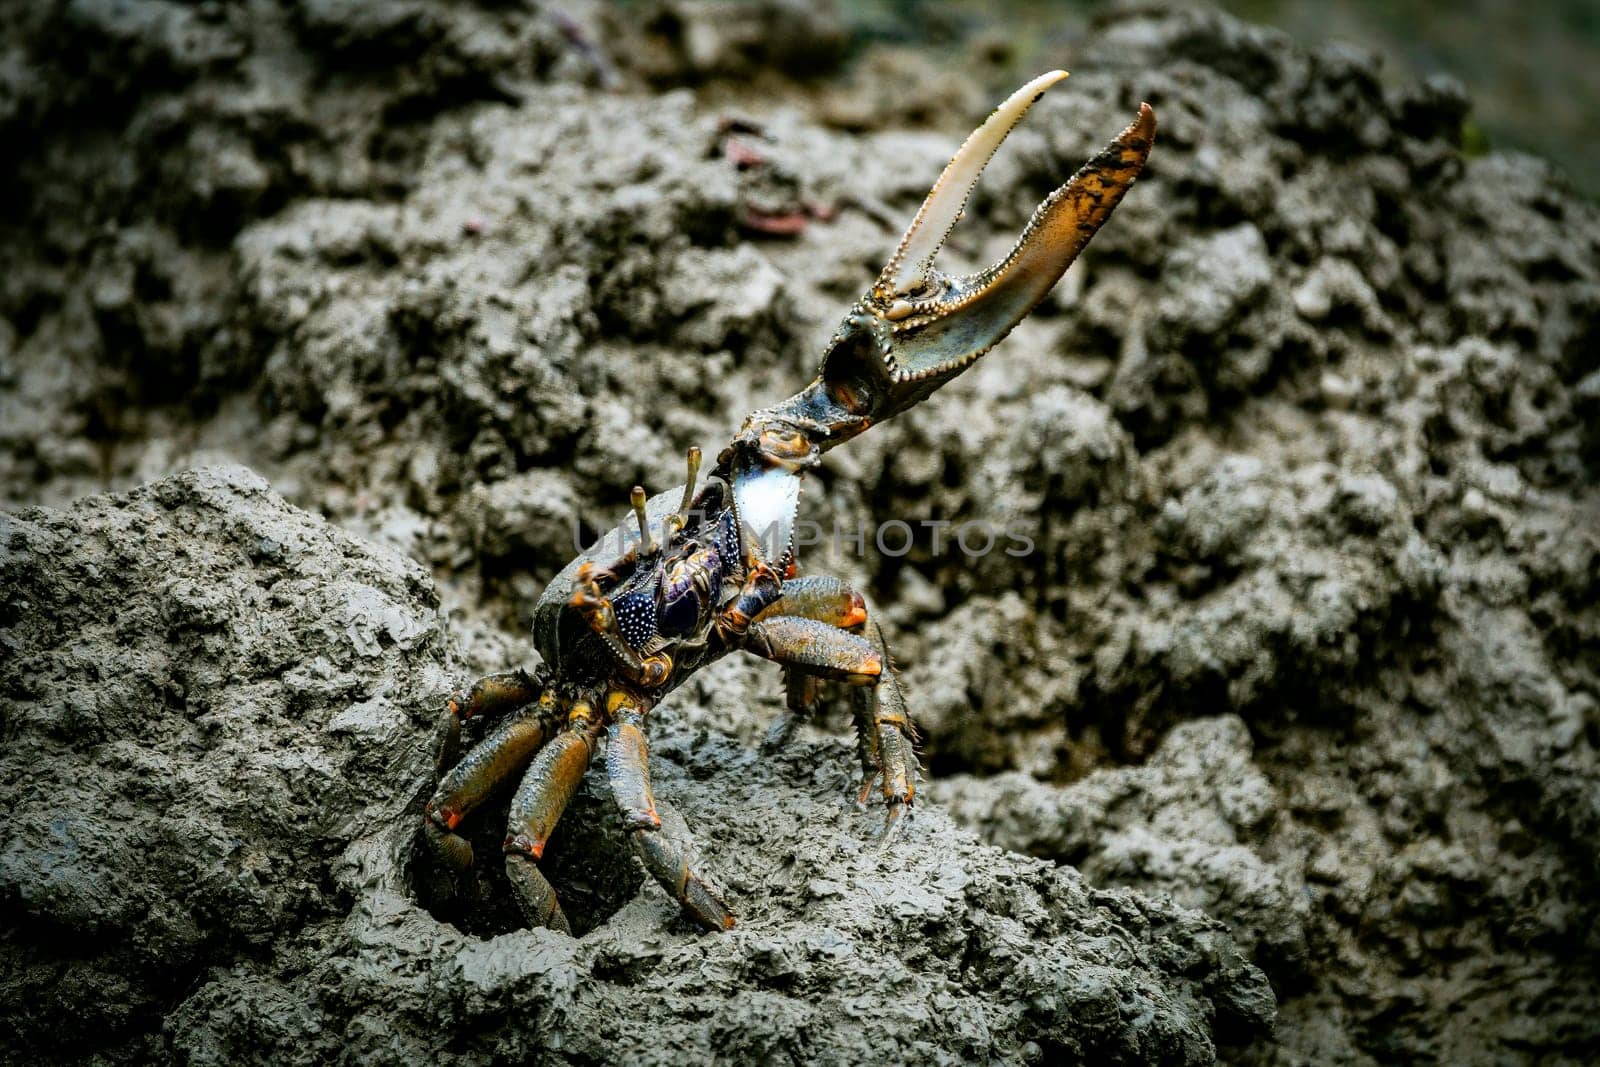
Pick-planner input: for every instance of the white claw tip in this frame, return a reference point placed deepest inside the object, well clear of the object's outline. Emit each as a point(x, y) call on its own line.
point(944, 204)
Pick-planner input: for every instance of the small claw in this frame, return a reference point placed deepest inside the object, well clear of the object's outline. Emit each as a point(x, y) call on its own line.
point(762, 588)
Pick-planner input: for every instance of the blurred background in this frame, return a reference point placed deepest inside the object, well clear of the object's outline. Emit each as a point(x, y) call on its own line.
point(1532, 69)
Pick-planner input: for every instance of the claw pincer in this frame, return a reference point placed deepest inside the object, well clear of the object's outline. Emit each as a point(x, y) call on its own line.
point(715, 570)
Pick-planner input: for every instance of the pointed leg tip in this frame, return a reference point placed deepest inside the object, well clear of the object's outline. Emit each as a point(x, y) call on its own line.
point(535, 897)
point(894, 824)
point(1144, 127)
point(706, 907)
point(778, 736)
point(1045, 80)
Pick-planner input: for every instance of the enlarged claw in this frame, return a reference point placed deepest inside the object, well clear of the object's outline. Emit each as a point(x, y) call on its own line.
point(908, 269)
point(917, 327)
point(946, 323)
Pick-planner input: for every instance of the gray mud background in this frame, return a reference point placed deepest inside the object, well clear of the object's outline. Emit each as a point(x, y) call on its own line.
point(1279, 747)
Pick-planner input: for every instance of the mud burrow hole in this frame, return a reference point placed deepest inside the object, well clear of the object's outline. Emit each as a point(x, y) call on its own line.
point(588, 861)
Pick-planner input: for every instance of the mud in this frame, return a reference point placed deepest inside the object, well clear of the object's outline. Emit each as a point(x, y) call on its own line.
point(1301, 664)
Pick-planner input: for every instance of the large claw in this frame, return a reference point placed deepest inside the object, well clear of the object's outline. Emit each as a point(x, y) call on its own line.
point(917, 327)
point(908, 269)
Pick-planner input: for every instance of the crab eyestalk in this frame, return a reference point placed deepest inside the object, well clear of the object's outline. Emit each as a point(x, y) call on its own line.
point(637, 498)
point(918, 327)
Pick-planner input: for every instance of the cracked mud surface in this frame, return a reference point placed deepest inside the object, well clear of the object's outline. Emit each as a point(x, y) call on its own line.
point(1300, 672)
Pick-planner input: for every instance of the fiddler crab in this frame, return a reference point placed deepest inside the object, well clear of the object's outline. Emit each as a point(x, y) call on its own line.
point(714, 571)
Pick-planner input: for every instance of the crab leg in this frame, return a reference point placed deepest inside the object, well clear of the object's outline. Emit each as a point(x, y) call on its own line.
point(821, 597)
point(815, 647)
point(664, 852)
point(543, 796)
point(491, 695)
point(762, 588)
point(886, 737)
point(827, 600)
point(492, 762)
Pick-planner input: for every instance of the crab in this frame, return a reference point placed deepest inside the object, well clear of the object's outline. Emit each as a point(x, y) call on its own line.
point(713, 570)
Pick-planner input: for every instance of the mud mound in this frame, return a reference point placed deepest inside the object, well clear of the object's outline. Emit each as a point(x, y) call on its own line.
point(217, 717)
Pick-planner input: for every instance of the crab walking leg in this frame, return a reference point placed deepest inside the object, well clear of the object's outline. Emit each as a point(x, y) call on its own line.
point(537, 807)
point(886, 737)
point(800, 693)
point(815, 647)
point(821, 597)
point(492, 762)
point(827, 600)
point(495, 694)
point(665, 854)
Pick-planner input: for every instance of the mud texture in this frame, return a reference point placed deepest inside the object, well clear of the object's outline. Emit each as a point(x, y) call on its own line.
point(220, 717)
point(1305, 450)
